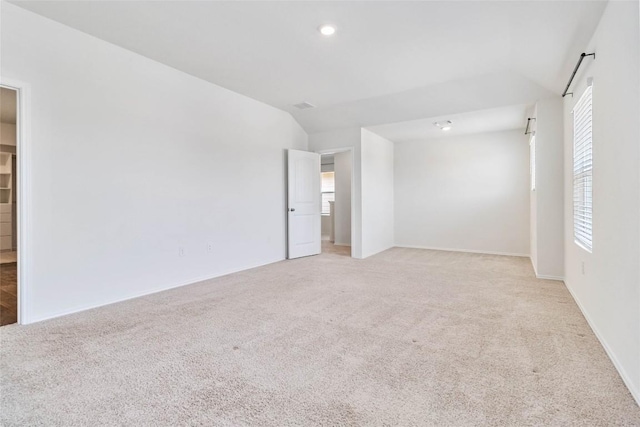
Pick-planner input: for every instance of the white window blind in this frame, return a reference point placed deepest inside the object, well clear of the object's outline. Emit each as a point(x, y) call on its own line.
point(328, 191)
point(532, 161)
point(583, 171)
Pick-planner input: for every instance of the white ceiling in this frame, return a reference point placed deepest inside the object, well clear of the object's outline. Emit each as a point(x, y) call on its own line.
point(492, 120)
point(8, 111)
point(389, 61)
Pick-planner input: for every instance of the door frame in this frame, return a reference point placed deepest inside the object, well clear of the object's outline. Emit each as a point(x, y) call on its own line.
point(23, 226)
point(353, 202)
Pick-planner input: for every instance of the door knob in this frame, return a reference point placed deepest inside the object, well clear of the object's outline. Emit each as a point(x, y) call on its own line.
point(292, 209)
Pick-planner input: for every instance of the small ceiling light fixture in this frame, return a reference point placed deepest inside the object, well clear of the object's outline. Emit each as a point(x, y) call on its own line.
point(304, 105)
point(327, 30)
point(444, 125)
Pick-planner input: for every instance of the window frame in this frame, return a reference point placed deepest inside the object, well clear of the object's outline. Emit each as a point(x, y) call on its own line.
point(582, 172)
point(322, 193)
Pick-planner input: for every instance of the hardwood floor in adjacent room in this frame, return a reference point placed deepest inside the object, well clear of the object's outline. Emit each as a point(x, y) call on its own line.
point(8, 293)
point(331, 248)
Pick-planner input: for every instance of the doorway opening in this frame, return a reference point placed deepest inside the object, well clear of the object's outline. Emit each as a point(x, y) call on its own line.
point(336, 178)
point(8, 206)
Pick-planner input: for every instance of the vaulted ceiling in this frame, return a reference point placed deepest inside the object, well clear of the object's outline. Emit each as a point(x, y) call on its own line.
point(389, 61)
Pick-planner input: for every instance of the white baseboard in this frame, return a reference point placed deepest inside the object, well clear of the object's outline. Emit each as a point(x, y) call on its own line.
point(142, 294)
point(542, 276)
point(377, 252)
point(342, 244)
point(471, 251)
point(623, 374)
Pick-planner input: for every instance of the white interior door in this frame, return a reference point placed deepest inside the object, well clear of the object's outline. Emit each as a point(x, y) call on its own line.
point(303, 204)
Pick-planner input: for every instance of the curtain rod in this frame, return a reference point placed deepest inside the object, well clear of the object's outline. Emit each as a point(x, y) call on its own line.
point(575, 70)
point(527, 131)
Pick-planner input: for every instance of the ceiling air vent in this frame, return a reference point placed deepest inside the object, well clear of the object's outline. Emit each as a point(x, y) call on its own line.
point(304, 106)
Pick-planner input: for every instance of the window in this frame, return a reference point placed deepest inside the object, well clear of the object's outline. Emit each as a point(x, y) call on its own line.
point(583, 171)
point(328, 191)
point(532, 161)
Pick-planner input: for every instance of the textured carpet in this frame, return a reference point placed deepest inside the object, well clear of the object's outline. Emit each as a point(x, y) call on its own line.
point(407, 337)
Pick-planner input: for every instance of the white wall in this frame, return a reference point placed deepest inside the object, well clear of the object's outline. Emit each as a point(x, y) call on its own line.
point(468, 193)
point(325, 225)
point(132, 160)
point(343, 198)
point(548, 200)
point(377, 193)
point(607, 288)
point(346, 138)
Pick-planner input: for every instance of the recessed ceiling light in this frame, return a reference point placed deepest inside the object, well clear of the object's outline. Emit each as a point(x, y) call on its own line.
point(444, 125)
point(327, 30)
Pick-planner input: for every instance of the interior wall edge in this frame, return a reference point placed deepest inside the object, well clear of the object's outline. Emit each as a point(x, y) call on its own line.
point(533, 264)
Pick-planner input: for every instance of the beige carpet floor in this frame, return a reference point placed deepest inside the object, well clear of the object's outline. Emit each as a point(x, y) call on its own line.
point(407, 337)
